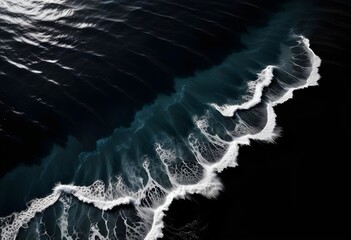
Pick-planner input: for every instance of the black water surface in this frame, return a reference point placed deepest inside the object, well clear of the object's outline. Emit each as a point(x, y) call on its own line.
point(115, 67)
point(297, 188)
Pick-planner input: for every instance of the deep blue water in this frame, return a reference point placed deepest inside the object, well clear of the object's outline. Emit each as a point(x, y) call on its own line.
point(110, 109)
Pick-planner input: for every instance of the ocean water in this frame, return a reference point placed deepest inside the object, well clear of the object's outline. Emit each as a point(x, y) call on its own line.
point(175, 88)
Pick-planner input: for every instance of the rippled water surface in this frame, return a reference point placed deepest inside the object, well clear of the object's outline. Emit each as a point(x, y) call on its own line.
point(110, 110)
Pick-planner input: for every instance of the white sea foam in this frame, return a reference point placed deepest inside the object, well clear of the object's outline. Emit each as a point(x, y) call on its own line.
point(256, 87)
point(11, 225)
point(313, 78)
point(62, 222)
point(153, 200)
point(210, 185)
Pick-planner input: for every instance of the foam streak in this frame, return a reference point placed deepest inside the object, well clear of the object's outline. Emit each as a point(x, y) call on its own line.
point(257, 86)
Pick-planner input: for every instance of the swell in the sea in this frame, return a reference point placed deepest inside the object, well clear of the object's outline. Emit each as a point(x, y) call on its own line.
point(174, 148)
point(205, 182)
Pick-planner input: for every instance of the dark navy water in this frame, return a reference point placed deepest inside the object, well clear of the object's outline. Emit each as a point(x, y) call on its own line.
point(112, 109)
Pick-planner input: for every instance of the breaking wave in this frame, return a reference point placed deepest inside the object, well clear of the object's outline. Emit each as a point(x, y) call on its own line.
point(175, 147)
point(176, 163)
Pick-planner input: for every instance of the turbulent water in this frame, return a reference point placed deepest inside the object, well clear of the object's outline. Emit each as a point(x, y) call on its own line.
point(183, 84)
